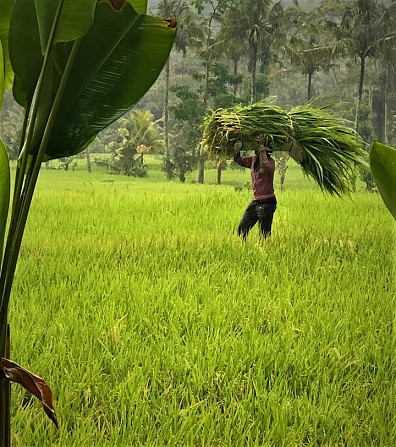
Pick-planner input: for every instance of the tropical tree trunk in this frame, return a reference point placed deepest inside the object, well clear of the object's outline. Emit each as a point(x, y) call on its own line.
point(353, 179)
point(88, 155)
point(360, 88)
point(254, 68)
point(166, 116)
point(201, 157)
point(309, 85)
point(201, 166)
point(219, 169)
point(235, 73)
point(207, 72)
point(207, 62)
point(386, 141)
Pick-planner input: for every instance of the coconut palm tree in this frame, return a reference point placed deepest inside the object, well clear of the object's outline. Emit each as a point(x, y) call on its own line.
point(228, 41)
point(262, 25)
point(309, 49)
point(214, 10)
point(362, 29)
point(188, 31)
point(384, 96)
point(136, 133)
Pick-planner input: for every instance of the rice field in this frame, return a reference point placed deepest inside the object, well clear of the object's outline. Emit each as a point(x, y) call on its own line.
point(156, 326)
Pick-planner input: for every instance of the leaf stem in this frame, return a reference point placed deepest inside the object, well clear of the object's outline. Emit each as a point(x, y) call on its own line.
point(29, 122)
point(24, 187)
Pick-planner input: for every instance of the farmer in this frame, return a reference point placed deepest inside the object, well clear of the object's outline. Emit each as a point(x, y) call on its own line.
point(263, 206)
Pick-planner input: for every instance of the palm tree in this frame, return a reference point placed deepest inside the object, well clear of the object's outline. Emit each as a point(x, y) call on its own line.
point(386, 75)
point(215, 8)
point(228, 41)
point(361, 31)
point(212, 11)
point(309, 48)
point(187, 32)
point(136, 133)
point(262, 25)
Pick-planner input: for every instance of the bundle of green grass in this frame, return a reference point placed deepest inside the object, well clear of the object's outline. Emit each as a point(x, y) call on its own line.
point(329, 149)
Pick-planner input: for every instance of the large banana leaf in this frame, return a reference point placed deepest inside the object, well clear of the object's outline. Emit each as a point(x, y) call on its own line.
point(25, 50)
point(2, 84)
point(5, 65)
point(30, 26)
point(139, 6)
point(117, 62)
point(4, 193)
point(75, 19)
point(383, 167)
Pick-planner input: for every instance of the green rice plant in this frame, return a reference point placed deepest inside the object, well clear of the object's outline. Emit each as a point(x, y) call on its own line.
point(226, 127)
point(163, 331)
point(329, 149)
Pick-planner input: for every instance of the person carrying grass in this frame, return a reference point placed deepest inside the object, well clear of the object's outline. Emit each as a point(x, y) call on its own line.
point(263, 206)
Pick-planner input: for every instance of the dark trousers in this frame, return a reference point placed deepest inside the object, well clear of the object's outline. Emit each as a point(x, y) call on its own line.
point(261, 211)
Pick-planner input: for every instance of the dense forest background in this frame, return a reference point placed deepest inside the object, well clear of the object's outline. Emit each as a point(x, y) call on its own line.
point(339, 54)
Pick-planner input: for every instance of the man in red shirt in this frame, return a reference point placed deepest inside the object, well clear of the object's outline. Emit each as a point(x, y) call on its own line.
point(263, 206)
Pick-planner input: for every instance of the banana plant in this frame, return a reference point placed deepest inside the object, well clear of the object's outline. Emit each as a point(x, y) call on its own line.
point(75, 66)
point(383, 168)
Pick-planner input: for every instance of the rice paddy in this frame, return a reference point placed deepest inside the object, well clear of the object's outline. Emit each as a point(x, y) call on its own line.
point(155, 325)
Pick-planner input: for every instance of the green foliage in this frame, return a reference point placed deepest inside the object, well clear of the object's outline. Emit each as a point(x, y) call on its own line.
point(6, 73)
point(180, 162)
point(139, 6)
point(127, 161)
point(383, 167)
point(331, 149)
point(74, 21)
point(218, 5)
point(188, 112)
point(262, 85)
point(2, 86)
point(136, 133)
point(219, 84)
point(189, 108)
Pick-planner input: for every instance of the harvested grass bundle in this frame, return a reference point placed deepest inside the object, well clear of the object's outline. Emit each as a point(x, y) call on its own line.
point(226, 127)
point(329, 149)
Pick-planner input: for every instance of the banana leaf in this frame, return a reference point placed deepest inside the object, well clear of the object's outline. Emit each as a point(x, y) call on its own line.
point(6, 75)
point(139, 6)
point(75, 20)
point(383, 168)
point(2, 83)
point(118, 60)
point(4, 193)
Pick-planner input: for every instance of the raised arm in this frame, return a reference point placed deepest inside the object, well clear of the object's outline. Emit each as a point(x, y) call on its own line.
point(245, 162)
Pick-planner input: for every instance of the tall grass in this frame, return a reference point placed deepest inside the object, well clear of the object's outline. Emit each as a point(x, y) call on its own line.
point(155, 325)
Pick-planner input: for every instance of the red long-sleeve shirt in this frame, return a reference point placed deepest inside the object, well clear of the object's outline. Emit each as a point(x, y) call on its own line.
point(262, 182)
